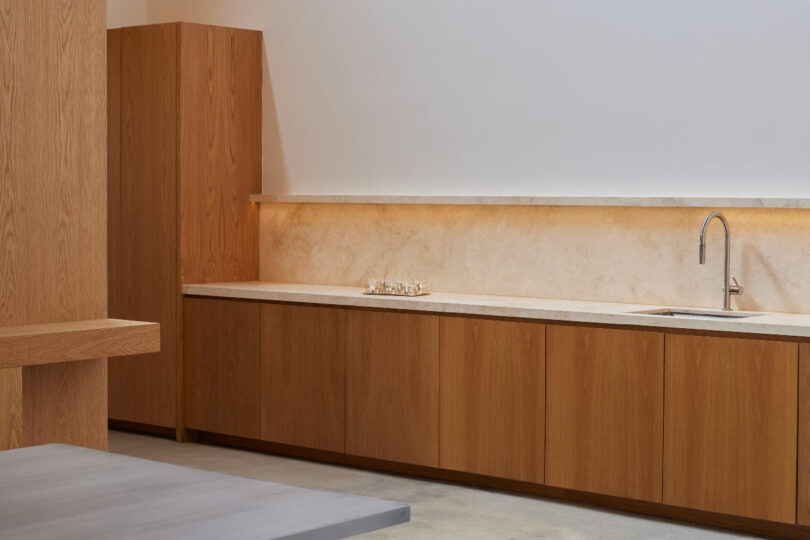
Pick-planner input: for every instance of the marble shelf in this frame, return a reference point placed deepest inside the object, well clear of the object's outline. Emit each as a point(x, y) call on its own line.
point(654, 202)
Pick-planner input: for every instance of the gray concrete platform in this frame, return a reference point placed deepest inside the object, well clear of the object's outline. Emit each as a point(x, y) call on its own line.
point(66, 492)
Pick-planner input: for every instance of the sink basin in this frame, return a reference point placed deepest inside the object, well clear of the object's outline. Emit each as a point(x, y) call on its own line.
point(710, 314)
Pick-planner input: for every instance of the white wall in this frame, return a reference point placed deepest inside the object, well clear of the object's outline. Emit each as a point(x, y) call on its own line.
point(534, 97)
point(126, 13)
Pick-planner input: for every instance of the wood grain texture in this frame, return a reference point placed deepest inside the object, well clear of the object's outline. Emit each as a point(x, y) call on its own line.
point(730, 426)
point(492, 397)
point(144, 278)
point(803, 484)
point(303, 375)
point(392, 385)
point(220, 152)
point(115, 292)
point(53, 209)
point(186, 142)
point(81, 340)
point(604, 411)
point(66, 403)
point(221, 349)
point(11, 415)
point(53, 156)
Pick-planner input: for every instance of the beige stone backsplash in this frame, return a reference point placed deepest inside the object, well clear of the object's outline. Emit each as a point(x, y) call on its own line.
point(612, 254)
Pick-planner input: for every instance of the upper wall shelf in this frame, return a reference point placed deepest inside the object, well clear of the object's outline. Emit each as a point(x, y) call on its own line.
point(672, 202)
point(54, 343)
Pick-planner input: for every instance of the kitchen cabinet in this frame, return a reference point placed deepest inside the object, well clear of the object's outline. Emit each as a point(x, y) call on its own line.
point(690, 421)
point(730, 426)
point(392, 385)
point(803, 463)
point(184, 155)
point(221, 354)
point(604, 410)
point(303, 376)
point(492, 381)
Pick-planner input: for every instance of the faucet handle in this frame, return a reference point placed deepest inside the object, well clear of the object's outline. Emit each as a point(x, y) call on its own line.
point(736, 288)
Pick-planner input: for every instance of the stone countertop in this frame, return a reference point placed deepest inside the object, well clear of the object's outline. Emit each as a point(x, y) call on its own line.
point(771, 324)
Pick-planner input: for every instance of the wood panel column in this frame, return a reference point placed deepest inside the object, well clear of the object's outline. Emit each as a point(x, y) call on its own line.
point(53, 254)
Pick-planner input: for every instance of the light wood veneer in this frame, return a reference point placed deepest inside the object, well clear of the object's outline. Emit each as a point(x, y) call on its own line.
point(54, 403)
point(492, 396)
point(66, 403)
point(303, 375)
point(52, 157)
point(81, 340)
point(604, 411)
point(730, 426)
point(392, 374)
point(11, 404)
point(53, 211)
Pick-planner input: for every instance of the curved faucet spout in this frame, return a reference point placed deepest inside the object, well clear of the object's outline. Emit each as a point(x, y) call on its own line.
point(709, 218)
point(727, 290)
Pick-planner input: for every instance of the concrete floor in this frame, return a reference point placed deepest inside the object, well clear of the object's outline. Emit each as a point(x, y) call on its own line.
point(438, 510)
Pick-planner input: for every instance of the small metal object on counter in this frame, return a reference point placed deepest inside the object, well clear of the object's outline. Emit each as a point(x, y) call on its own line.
point(396, 287)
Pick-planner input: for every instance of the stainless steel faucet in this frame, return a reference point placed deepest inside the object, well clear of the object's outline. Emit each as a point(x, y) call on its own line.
point(728, 289)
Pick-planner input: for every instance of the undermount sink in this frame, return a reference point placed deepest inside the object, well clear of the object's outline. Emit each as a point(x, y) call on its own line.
point(697, 313)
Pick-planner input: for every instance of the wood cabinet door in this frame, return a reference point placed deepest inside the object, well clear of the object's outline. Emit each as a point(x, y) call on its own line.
point(492, 397)
point(304, 376)
point(221, 354)
point(392, 384)
point(604, 410)
point(803, 484)
point(730, 426)
point(219, 148)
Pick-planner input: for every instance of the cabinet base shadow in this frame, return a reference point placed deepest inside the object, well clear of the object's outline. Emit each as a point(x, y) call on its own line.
point(709, 519)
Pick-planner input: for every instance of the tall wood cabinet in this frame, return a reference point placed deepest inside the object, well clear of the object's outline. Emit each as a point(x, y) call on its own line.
point(184, 135)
